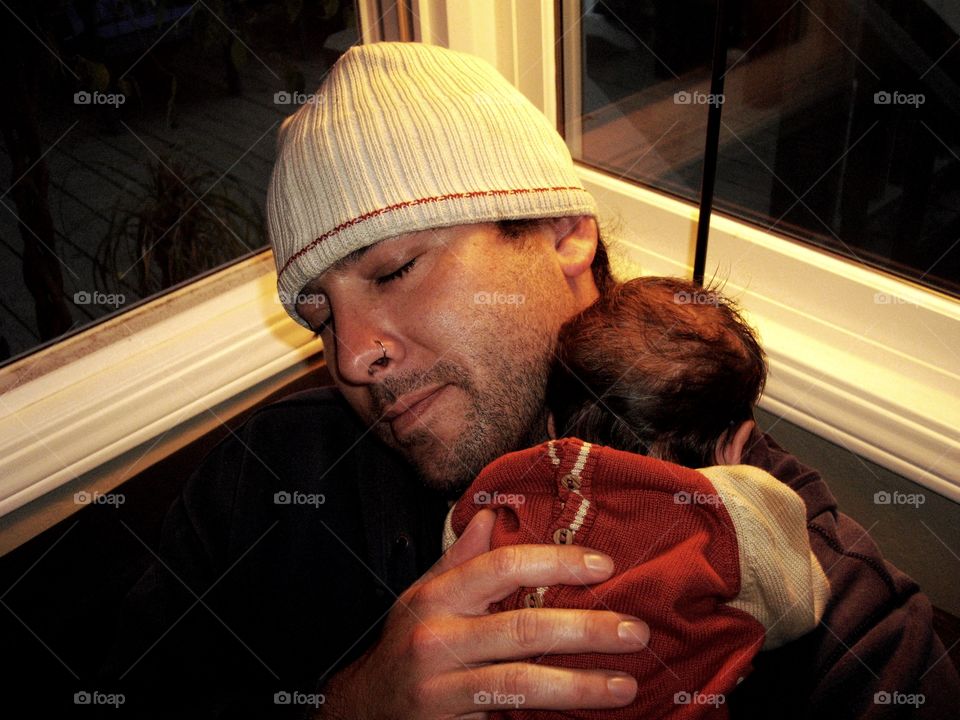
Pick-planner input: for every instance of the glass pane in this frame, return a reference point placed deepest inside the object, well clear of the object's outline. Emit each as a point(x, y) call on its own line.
point(628, 72)
point(841, 120)
point(139, 143)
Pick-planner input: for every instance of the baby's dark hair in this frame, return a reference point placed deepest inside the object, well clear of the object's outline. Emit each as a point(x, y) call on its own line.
point(657, 365)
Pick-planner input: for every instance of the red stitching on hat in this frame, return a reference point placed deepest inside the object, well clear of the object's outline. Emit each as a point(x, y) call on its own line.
point(413, 203)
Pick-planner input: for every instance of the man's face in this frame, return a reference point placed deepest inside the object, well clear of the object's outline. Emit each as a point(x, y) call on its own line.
point(468, 321)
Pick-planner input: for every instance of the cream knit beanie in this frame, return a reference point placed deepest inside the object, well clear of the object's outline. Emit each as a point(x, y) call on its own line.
point(403, 137)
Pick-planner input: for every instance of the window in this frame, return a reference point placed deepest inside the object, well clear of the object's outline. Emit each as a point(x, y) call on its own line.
point(142, 142)
point(840, 121)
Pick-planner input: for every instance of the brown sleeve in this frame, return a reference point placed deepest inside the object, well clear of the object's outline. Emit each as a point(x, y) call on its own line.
point(875, 653)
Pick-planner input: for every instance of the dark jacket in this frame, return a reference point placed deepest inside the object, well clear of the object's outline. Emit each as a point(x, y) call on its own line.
point(282, 556)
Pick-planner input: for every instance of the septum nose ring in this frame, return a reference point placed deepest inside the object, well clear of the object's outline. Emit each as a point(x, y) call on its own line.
point(381, 360)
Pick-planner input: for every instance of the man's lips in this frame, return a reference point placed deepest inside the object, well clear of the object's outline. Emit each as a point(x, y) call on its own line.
point(410, 408)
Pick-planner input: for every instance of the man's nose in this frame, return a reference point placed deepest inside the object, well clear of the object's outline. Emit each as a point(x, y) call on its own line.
point(366, 352)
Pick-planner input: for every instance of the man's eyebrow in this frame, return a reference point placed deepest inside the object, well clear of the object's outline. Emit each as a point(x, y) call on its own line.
point(350, 258)
point(341, 264)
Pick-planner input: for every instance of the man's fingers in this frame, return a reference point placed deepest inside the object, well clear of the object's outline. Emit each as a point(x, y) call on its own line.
point(528, 686)
point(468, 588)
point(529, 633)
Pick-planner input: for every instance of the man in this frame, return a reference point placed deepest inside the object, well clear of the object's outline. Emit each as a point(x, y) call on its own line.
point(428, 223)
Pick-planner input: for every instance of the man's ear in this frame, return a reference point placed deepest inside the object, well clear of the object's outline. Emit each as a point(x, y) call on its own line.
point(729, 450)
point(575, 241)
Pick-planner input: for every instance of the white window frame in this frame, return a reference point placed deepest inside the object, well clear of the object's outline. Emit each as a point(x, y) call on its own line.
point(864, 359)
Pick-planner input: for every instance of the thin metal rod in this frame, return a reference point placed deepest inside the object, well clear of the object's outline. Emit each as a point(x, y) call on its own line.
point(711, 150)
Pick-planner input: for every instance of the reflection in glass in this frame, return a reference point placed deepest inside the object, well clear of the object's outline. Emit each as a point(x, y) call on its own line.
point(840, 119)
point(138, 143)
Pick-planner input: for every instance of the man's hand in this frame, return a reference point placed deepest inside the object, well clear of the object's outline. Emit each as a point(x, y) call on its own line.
point(442, 655)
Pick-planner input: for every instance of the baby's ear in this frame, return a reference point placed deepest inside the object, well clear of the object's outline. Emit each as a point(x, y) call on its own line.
point(730, 445)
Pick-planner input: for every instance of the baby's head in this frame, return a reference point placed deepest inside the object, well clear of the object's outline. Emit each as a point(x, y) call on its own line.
point(661, 367)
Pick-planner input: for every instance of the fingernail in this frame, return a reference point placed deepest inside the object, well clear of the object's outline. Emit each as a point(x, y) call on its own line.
point(622, 688)
point(633, 632)
point(598, 562)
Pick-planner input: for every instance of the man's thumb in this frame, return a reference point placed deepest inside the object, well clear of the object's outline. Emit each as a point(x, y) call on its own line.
point(474, 541)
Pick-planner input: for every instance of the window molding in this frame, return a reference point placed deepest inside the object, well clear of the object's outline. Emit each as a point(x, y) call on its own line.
point(385, 20)
point(90, 412)
point(515, 36)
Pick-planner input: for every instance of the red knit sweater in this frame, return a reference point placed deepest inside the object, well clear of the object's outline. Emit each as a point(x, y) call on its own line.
point(676, 555)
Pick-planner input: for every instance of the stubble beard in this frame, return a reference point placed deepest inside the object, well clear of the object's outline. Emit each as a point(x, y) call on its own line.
point(504, 415)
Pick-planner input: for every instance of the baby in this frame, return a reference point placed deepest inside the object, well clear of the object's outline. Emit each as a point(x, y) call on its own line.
point(657, 377)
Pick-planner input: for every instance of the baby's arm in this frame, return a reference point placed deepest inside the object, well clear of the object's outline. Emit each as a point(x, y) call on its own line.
point(782, 583)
